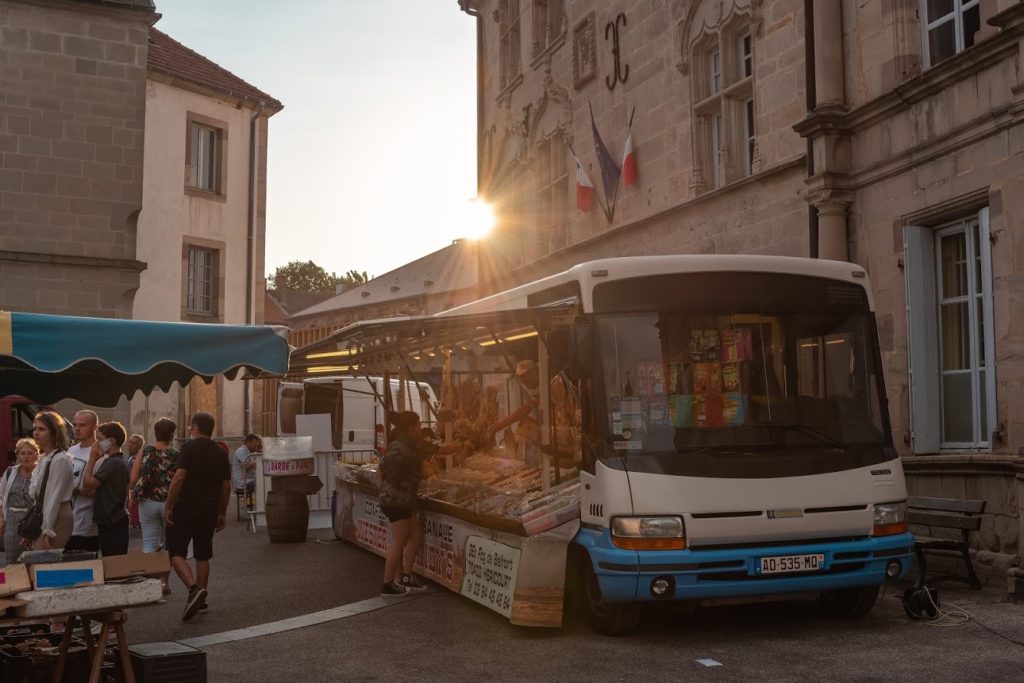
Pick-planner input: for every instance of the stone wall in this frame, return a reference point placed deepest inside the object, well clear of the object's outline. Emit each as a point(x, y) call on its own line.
point(72, 113)
point(661, 43)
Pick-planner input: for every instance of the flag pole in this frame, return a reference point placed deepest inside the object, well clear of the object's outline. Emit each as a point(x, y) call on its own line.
point(615, 197)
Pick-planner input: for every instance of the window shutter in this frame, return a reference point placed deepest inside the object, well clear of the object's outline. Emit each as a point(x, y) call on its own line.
point(922, 333)
point(985, 247)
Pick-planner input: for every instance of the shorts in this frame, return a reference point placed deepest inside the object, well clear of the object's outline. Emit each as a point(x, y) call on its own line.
point(396, 514)
point(194, 523)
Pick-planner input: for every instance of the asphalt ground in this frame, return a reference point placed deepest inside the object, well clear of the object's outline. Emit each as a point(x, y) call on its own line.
point(442, 636)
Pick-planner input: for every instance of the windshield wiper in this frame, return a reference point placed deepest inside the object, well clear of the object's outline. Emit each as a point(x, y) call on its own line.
point(806, 430)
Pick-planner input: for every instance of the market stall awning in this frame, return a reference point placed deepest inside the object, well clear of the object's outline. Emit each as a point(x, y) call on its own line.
point(373, 342)
point(47, 358)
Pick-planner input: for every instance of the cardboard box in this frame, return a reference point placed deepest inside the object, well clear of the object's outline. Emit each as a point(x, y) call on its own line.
point(7, 603)
point(14, 579)
point(136, 564)
point(67, 574)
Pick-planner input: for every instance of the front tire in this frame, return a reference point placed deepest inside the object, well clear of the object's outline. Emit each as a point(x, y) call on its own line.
point(609, 618)
point(850, 602)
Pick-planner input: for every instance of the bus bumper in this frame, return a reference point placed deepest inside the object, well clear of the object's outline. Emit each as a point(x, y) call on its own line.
point(628, 575)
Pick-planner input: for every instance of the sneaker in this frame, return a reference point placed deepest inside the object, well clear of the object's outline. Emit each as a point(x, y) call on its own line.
point(411, 583)
point(393, 589)
point(203, 607)
point(196, 597)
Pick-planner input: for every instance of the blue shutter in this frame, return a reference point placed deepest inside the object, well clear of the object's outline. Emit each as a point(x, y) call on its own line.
point(922, 336)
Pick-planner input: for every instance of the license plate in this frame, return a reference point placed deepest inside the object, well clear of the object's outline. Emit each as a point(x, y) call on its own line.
point(787, 564)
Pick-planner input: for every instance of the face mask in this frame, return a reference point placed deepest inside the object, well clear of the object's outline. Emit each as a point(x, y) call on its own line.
point(105, 445)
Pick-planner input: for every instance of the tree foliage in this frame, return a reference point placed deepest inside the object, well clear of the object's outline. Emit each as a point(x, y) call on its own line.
point(306, 276)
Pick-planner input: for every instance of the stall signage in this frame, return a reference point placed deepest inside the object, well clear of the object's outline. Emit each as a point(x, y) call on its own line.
point(361, 521)
point(491, 571)
point(273, 467)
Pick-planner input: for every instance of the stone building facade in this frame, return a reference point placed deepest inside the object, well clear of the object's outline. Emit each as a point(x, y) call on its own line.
point(885, 133)
point(202, 231)
point(72, 114)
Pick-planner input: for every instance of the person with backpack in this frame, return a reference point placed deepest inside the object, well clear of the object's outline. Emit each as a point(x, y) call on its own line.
point(400, 473)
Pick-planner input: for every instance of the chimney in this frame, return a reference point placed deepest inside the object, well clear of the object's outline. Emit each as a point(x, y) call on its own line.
point(341, 288)
point(279, 283)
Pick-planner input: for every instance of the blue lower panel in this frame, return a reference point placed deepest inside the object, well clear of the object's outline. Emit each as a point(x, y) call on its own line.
point(626, 575)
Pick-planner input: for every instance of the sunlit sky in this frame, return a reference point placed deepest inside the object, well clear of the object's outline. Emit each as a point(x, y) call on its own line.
point(372, 162)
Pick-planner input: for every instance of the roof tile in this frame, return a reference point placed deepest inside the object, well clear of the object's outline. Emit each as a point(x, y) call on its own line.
point(168, 56)
point(447, 270)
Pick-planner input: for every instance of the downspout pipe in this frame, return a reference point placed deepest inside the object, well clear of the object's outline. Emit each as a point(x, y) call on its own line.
point(250, 285)
point(475, 13)
point(811, 91)
point(468, 8)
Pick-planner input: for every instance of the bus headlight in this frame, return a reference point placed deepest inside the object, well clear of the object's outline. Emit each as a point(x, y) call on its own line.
point(890, 519)
point(648, 533)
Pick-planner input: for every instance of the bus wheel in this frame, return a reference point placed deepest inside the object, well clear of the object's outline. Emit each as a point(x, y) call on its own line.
point(850, 602)
point(609, 618)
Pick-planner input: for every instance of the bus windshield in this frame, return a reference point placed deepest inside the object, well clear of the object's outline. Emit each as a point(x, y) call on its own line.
point(727, 372)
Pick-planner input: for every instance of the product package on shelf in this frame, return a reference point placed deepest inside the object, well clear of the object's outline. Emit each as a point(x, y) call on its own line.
point(707, 410)
point(736, 345)
point(731, 377)
point(707, 378)
point(704, 345)
point(734, 409)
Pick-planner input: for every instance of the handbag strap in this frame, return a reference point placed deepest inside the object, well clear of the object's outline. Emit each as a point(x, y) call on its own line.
point(46, 477)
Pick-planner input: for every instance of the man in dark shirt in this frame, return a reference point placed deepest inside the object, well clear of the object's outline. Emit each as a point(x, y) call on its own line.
point(108, 486)
point(196, 507)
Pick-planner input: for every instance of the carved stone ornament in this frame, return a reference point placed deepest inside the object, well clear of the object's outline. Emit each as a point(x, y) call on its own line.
point(707, 16)
point(584, 51)
point(552, 111)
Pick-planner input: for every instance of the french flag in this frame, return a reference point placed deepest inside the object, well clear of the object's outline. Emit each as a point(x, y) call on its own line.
point(584, 188)
point(629, 161)
point(629, 158)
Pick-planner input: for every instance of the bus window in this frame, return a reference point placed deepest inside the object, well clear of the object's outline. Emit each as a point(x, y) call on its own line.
point(678, 381)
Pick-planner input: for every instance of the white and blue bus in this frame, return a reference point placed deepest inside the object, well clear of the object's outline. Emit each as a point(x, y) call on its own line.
point(735, 439)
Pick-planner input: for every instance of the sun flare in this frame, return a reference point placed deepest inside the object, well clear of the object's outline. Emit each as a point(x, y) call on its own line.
point(478, 220)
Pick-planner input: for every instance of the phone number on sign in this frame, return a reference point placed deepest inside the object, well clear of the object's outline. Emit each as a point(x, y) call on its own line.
point(500, 601)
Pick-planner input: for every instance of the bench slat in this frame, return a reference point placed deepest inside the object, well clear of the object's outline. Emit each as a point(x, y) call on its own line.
point(975, 507)
point(944, 521)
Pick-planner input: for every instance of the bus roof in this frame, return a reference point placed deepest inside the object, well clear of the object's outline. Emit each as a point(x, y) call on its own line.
point(591, 273)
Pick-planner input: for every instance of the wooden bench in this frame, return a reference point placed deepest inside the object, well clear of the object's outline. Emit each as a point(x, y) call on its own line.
point(938, 514)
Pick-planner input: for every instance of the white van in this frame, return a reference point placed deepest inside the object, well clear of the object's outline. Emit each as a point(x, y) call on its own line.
point(354, 404)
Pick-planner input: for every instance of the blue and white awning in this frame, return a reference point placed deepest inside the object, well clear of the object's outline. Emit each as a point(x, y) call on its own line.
point(47, 358)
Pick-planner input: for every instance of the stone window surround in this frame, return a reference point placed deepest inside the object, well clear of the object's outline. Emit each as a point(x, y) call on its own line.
point(924, 418)
point(219, 293)
point(221, 180)
point(510, 38)
point(547, 183)
point(728, 102)
point(554, 36)
point(956, 16)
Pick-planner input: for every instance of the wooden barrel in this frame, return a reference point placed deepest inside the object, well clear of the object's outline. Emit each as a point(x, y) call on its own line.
point(287, 517)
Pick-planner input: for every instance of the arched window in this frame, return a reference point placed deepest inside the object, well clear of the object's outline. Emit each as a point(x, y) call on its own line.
point(552, 194)
point(721, 72)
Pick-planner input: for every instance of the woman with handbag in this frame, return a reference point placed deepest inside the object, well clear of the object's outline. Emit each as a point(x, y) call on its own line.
point(51, 487)
point(14, 499)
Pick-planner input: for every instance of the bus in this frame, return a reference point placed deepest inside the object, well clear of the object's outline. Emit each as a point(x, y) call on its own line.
point(736, 441)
